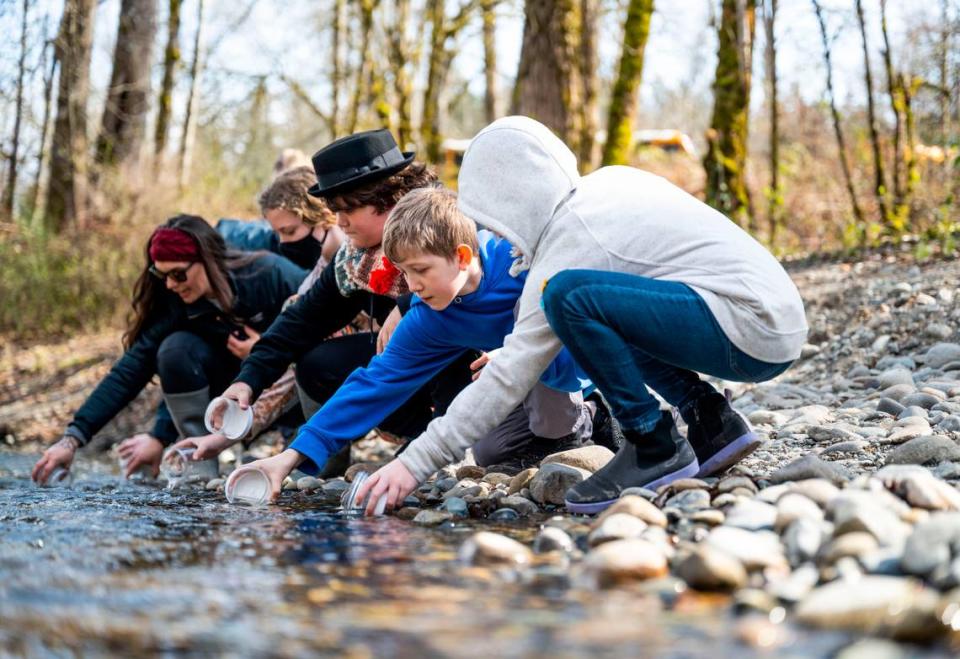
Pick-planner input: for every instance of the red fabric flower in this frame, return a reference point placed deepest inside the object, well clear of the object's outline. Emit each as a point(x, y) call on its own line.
point(383, 279)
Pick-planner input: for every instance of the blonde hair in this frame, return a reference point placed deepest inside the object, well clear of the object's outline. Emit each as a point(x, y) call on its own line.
point(427, 221)
point(289, 192)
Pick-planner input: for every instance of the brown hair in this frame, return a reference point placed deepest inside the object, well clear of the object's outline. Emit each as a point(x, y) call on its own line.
point(384, 194)
point(217, 260)
point(289, 192)
point(427, 221)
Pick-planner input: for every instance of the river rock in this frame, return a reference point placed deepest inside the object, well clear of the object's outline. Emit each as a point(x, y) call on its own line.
point(486, 548)
point(832, 433)
point(308, 484)
point(521, 480)
point(214, 484)
point(334, 488)
point(707, 568)
point(852, 545)
point(735, 482)
point(919, 399)
point(810, 466)
point(802, 540)
point(360, 467)
point(894, 376)
point(619, 526)
point(754, 549)
point(471, 472)
point(930, 449)
point(793, 506)
point(864, 511)
point(522, 505)
point(624, 561)
point(710, 517)
point(431, 517)
point(919, 487)
point(455, 506)
point(551, 482)
point(551, 539)
point(638, 507)
point(497, 479)
point(949, 423)
point(588, 458)
point(752, 515)
point(689, 501)
point(796, 585)
point(942, 354)
point(889, 406)
point(873, 648)
point(933, 544)
point(504, 515)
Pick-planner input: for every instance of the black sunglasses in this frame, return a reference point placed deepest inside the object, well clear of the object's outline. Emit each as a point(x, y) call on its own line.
point(178, 275)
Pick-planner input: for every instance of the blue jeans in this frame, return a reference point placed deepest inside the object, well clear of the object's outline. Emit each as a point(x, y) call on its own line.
point(628, 331)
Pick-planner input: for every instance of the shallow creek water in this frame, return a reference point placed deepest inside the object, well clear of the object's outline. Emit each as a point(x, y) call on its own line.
point(111, 567)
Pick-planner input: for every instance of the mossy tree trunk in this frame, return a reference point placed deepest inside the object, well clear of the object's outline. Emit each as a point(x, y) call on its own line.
point(547, 87)
point(623, 98)
point(67, 190)
point(899, 218)
point(13, 160)
point(171, 58)
point(774, 194)
point(726, 158)
point(589, 80)
point(125, 111)
point(400, 61)
point(488, 9)
point(879, 185)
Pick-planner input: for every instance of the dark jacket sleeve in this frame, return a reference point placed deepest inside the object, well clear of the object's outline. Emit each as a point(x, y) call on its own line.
point(129, 375)
point(163, 426)
point(320, 312)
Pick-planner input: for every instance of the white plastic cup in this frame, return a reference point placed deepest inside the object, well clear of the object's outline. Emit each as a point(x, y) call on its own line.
point(236, 422)
point(248, 485)
point(59, 478)
point(352, 505)
point(178, 465)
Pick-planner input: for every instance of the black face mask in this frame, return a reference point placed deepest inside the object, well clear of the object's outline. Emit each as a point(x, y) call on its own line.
point(304, 252)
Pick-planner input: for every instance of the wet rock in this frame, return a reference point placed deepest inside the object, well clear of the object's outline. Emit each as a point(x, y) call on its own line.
point(465, 488)
point(446, 484)
point(214, 484)
point(288, 484)
point(358, 468)
point(522, 505)
point(930, 449)
point(942, 354)
point(486, 548)
point(919, 487)
point(624, 561)
point(495, 479)
point(552, 539)
point(521, 480)
point(689, 501)
point(933, 544)
point(707, 568)
point(752, 515)
point(588, 458)
point(638, 507)
point(308, 484)
point(619, 526)
point(470, 472)
point(334, 488)
point(793, 506)
point(455, 506)
point(810, 466)
point(407, 513)
point(802, 541)
point(551, 482)
point(754, 549)
point(848, 545)
point(504, 515)
point(432, 517)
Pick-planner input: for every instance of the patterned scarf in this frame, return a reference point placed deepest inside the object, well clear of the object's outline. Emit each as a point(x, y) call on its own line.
point(362, 269)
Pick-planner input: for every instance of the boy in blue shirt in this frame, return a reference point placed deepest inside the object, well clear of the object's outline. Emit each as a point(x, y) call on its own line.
point(464, 298)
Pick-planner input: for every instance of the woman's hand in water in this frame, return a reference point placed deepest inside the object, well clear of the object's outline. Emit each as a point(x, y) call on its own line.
point(207, 446)
point(141, 450)
point(394, 480)
point(241, 347)
point(59, 455)
point(276, 468)
point(238, 391)
point(389, 325)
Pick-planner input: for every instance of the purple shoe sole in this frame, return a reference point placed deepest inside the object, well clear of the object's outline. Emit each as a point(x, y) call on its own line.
point(594, 507)
point(730, 454)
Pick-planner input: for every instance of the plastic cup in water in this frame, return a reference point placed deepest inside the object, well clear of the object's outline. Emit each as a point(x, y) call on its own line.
point(352, 505)
point(236, 422)
point(248, 485)
point(143, 472)
point(178, 465)
point(59, 478)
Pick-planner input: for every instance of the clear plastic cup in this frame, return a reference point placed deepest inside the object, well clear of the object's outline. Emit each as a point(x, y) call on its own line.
point(178, 466)
point(248, 485)
point(59, 478)
point(352, 505)
point(236, 422)
point(142, 473)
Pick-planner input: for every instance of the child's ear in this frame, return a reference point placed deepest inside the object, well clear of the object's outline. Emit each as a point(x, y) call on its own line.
point(464, 256)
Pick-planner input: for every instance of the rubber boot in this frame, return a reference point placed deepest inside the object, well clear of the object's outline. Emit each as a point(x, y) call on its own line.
point(187, 410)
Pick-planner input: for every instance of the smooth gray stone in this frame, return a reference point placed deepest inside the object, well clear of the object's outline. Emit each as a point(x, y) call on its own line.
point(456, 506)
point(949, 423)
point(689, 501)
point(802, 541)
point(947, 470)
point(504, 515)
point(932, 544)
point(941, 354)
point(926, 450)
point(810, 466)
point(890, 406)
point(553, 539)
point(890, 361)
point(895, 376)
point(445, 484)
point(856, 446)
point(920, 399)
point(912, 412)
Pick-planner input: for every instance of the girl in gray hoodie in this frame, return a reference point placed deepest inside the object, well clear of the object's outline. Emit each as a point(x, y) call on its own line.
point(646, 285)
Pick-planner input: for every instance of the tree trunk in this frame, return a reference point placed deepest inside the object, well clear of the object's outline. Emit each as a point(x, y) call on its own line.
point(44, 126)
point(589, 80)
point(899, 218)
point(67, 189)
point(171, 58)
point(400, 61)
point(943, 57)
point(726, 158)
point(336, 74)
point(125, 111)
point(909, 88)
point(362, 79)
point(775, 206)
point(488, 7)
point(880, 185)
point(547, 86)
point(6, 206)
point(623, 98)
point(187, 135)
point(837, 128)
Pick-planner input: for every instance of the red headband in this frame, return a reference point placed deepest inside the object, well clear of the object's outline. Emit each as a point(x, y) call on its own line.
point(173, 245)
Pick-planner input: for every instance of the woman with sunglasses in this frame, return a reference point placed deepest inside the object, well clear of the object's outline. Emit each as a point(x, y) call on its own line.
point(190, 307)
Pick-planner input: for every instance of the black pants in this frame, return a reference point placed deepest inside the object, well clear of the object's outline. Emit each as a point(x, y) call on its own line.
point(322, 370)
point(187, 362)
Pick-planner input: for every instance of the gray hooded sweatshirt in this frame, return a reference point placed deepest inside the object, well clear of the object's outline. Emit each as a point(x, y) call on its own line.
point(518, 179)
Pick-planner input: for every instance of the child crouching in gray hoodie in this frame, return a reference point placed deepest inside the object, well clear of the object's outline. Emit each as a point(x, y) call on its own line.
point(644, 284)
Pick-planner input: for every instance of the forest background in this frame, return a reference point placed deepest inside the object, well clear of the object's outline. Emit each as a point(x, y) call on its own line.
point(817, 125)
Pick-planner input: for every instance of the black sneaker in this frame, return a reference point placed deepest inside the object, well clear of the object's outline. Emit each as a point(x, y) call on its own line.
point(531, 453)
point(606, 429)
point(719, 435)
point(647, 460)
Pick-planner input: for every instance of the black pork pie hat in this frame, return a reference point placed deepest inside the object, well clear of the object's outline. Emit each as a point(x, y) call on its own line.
point(356, 159)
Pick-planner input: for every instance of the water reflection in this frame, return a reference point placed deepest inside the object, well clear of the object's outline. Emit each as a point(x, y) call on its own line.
point(111, 567)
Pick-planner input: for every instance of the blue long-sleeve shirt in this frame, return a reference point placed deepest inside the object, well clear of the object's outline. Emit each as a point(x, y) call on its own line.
point(424, 343)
